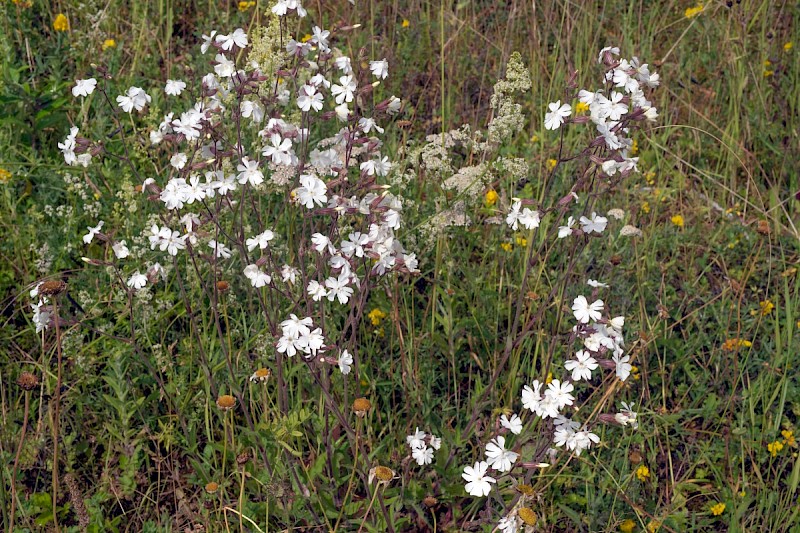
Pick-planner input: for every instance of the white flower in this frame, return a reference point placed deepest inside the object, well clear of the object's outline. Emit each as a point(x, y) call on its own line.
point(120, 249)
point(380, 167)
point(308, 98)
point(316, 290)
point(261, 240)
point(320, 38)
point(555, 117)
point(610, 49)
point(584, 311)
point(280, 151)
point(380, 69)
point(559, 393)
point(338, 288)
point(531, 397)
point(623, 367)
point(627, 416)
point(135, 98)
point(207, 40)
point(436, 442)
point(566, 231)
point(423, 456)
point(179, 160)
point(416, 440)
point(84, 87)
point(596, 224)
point(225, 68)
point(237, 38)
point(345, 91)
point(311, 342)
point(514, 424)
point(498, 457)
point(249, 173)
point(293, 327)
point(343, 64)
point(137, 281)
point(529, 218)
point(321, 242)
point(41, 316)
point(596, 284)
point(582, 366)
point(174, 87)
point(312, 190)
point(257, 277)
point(220, 250)
point(394, 105)
point(355, 246)
point(478, 483)
point(289, 274)
point(508, 524)
point(345, 362)
point(254, 110)
point(92, 232)
point(617, 323)
point(512, 219)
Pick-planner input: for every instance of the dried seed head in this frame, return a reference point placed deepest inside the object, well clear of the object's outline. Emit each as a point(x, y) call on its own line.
point(526, 490)
point(52, 288)
point(361, 406)
point(27, 381)
point(382, 473)
point(212, 487)
point(261, 375)
point(243, 457)
point(528, 516)
point(223, 286)
point(226, 402)
point(429, 501)
point(635, 457)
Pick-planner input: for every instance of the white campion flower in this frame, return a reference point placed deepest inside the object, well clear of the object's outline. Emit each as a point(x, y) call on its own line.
point(137, 281)
point(312, 191)
point(280, 151)
point(134, 98)
point(293, 327)
point(416, 440)
point(345, 362)
point(498, 457)
point(308, 98)
point(436, 442)
point(92, 232)
point(343, 64)
point(513, 424)
point(532, 396)
point(224, 68)
point(284, 6)
point(555, 117)
point(627, 416)
point(84, 87)
point(237, 38)
point(345, 91)
point(379, 69)
point(121, 250)
point(596, 223)
point(423, 456)
point(478, 483)
point(339, 288)
point(261, 240)
point(249, 172)
point(253, 110)
point(220, 250)
point(355, 244)
point(508, 524)
point(582, 366)
point(258, 278)
point(311, 342)
point(320, 38)
point(178, 160)
point(566, 231)
point(321, 242)
point(529, 218)
point(207, 40)
point(512, 219)
point(394, 105)
point(596, 284)
point(613, 50)
point(617, 323)
point(584, 311)
point(559, 392)
point(174, 87)
point(316, 290)
point(68, 146)
point(623, 367)
point(41, 316)
point(289, 274)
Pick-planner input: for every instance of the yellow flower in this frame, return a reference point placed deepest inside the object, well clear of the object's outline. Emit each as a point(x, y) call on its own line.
point(5, 176)
point(774, 448)
point(306, 38)
point(766, 307)
point(109, 43)
point(788, 437)
point(506, 246)
point(693, 11)
point(522, 241)
point(535, 139)
point(653, 526)
point(645, 207)
point(551, 164)
point(718, 508)
point(491, 197)
point(731, 344)
point(61, 23)
point(768, 73)
point(244, 6)
point(787, 46)
point(580, 107)
point(642, 473)
point(634, 147)
point(627, 526)
point(549, 378)
point(375, 316)
point(405, 23)
point(677, 220)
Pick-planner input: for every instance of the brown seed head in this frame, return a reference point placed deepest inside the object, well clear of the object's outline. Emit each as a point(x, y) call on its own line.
point(212, 487)
point(527, 490)
point(635, 457)
point(226, 402)
point(429, 501)
point(528, 516)
point(243, 457)
point(223, 286)
point(27, 381)
point(383, 474)
point(361, 406)
point(52, 288)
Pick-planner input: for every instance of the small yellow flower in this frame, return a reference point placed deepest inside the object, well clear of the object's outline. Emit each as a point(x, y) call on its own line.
point(788, 437)
point(734, 343)
point(581, 107)
point(642, 473)
point(677, 220)
point(768, 73)
point(405, 23)
point(634, 147)
point(718, 508)
point(627, 526)
point(109, 43)
point(376, 316)
point(306, 38)
point(522, 241)
point(549, 378)
point(244, 6)
point(653, 526)
point(742, 494)
point(491, 197)
point(5, 176)
point(693, 11)
point(787, 46)
point(551, 164)
point(61, 23)
point(766, 307)
point(774, 448)
point(645, 207)
point(534, 139)
point(506, 246)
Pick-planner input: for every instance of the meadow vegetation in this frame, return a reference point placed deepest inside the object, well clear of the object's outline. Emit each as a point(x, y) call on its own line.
point(244, 344)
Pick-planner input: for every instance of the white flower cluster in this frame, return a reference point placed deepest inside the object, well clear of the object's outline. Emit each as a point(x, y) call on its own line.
point(298, 336)
point(422, 446)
